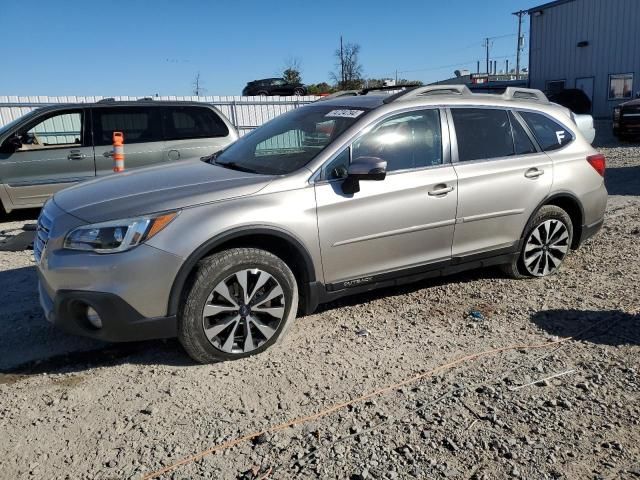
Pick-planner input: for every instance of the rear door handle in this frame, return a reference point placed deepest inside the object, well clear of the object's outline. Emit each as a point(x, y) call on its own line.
point(533, 173)
point(440, 190)
point(76, 156)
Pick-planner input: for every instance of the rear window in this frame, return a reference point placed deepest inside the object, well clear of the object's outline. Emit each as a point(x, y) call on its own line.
point(549, 134)
point(138, 124)
point(183, 123)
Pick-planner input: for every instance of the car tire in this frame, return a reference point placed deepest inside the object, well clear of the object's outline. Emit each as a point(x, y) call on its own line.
point(546, 260)
point(298, 92)
point(241, 323)
point(262, 94)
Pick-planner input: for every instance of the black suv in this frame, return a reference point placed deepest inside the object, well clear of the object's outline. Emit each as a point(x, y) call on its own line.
point(626, 119)
point(274, 86)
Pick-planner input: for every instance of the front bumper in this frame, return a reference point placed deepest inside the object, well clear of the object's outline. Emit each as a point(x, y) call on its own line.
point(129, 290)
point(120, 321)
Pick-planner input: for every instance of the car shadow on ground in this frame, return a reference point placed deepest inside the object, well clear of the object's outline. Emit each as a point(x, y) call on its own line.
point(623, 180)
point(29, 215)
point(607, 327)
point(30, 345)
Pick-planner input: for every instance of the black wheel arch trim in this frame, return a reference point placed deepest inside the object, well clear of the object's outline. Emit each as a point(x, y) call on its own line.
point(236, 233)
point(554, 196)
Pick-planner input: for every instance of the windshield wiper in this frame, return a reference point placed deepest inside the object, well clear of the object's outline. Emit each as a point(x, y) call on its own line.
point(235, 166)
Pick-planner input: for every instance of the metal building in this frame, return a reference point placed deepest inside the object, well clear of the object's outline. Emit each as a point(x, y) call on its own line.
point(593, 45)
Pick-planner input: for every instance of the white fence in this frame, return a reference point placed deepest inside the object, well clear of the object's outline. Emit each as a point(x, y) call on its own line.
point(246, 113)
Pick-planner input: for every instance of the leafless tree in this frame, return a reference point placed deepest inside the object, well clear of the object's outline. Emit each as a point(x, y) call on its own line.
point(197, 87)
point(349, 69)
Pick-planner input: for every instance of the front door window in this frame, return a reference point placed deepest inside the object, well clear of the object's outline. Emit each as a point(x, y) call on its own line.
point(59, 131)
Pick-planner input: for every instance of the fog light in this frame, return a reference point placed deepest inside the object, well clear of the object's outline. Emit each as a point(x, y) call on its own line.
point(94, 318)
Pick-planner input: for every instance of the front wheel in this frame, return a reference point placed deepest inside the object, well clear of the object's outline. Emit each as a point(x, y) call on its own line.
point(241, 302)
point(298, 92)
point(546, 243)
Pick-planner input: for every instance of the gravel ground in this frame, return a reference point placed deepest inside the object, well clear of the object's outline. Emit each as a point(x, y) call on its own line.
point(73, 408)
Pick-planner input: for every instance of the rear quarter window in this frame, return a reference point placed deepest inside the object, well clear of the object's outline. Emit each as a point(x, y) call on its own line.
point(549, 134)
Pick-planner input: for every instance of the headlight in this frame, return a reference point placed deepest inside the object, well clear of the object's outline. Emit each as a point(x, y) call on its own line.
point(616, 113)
point(118, 235)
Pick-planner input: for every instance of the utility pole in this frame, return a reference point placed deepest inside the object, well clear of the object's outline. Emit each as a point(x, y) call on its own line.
point(341, 63)
point(396, 78)
point(486, 44)
point(519, 14)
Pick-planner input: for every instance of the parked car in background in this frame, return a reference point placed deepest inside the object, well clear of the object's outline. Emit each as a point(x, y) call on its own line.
point(330, 199)
point(626, 120)
point(56, 146)
point(274, 86)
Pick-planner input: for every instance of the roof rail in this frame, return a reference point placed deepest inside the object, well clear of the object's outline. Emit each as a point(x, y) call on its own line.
point(364, 91)
point(412, 93)
point(517, 93)
point(106, 100)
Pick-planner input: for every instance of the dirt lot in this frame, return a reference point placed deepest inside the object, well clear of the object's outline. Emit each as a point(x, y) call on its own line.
point(73, 408)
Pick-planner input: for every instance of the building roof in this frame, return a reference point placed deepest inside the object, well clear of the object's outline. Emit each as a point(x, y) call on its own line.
point(544, 6)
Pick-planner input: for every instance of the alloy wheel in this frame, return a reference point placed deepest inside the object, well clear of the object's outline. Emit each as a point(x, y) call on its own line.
point(243, 311)
point(546, 247)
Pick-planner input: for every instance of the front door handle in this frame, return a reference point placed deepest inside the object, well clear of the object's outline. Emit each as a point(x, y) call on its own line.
point(440, 190)
point(76, 156)
point(533, 173)
point(108, 154)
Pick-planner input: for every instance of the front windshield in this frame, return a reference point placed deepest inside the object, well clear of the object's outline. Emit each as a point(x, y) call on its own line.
point(290, 141)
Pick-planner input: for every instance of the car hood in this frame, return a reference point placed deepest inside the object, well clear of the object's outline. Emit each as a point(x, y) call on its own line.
point(155, 189)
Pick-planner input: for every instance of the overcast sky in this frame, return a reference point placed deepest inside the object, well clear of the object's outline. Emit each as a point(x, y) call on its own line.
point(145, 47)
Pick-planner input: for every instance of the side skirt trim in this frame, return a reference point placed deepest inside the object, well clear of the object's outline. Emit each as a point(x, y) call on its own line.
point(399, 277)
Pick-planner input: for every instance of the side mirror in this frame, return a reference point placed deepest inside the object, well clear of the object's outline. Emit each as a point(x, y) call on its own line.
point(364, 168)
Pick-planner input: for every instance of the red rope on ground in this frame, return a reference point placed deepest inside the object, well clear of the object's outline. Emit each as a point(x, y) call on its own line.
point(339, 406)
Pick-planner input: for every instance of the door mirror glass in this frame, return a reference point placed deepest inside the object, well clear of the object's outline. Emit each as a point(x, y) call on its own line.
point(364, 168)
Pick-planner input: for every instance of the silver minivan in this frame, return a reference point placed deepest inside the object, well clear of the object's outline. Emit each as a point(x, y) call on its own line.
point(56, 146)
point(327, 200)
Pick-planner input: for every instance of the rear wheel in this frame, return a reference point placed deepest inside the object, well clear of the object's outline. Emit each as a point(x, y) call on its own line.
point(240, 303)
point(546, 243)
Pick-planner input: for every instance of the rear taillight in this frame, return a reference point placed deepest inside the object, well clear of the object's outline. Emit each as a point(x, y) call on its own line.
point(598, 162)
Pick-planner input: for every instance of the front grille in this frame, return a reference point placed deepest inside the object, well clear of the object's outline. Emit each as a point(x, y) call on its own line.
point(42, 235)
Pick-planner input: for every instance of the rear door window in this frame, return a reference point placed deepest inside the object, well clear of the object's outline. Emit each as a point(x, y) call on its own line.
point(182, 123)
point(138, 124)
point(549, 134)
point(482, 133)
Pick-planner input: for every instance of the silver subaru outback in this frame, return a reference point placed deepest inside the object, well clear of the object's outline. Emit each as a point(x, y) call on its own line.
point(331, 199)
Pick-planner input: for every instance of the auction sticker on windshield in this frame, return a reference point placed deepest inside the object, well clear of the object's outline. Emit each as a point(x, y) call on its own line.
point(345, 113)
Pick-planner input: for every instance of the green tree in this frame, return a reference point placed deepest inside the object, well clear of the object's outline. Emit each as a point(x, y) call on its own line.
point(319, 88)
point(292, 70)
